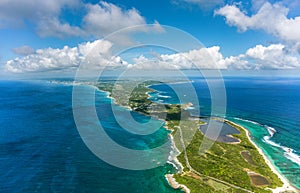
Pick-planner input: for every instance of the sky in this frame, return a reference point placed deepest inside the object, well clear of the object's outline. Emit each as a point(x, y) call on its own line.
point(59, 36)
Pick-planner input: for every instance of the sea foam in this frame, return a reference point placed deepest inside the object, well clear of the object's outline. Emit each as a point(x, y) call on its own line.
point(271, 130)
point(292, 156)
point(289, 153)
point(245, 120)
point(268, 141)
point(163, 96)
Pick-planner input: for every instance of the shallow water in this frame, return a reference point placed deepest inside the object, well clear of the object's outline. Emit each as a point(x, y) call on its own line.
point(223, 133)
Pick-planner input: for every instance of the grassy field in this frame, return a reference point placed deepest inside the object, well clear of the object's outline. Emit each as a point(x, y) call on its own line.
point(224, 162)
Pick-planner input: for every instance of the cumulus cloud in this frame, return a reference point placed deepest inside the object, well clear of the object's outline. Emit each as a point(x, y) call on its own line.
point(15, 12)
point(45, 59)
point(98, 55)
point(99, 19)
point(104, 18)
point(53, 27)
point(274, 56)
point(257, 4)
point(272, 18)
point(235, 62)
point(204, 58)
point(92, 55)
point(44, 14)
point(23, 50)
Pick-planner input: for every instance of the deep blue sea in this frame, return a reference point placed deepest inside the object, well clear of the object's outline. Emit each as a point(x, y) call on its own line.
point(42, 151)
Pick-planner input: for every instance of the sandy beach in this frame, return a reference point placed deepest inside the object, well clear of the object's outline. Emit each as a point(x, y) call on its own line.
point(287, 187)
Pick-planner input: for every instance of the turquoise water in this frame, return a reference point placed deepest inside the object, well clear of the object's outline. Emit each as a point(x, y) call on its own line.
point(285, 162)
point(268, 107)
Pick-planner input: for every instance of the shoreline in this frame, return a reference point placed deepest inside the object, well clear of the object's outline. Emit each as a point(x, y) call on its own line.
point(286, 184)
point(175, 162)
point(176, 152)
point(175, 185)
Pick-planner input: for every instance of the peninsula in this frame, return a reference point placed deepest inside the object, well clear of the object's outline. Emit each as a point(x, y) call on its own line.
point(228, 166)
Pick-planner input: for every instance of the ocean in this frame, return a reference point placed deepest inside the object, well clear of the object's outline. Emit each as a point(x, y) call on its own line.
point(42, 151)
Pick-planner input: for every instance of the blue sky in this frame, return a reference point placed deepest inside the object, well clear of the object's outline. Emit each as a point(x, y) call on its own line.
point(38, 36)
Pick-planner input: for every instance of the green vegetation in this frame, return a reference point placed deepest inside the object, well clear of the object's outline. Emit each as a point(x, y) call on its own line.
point(202, 184)
point(220, 169)
point(135, 95)
point(224, 162)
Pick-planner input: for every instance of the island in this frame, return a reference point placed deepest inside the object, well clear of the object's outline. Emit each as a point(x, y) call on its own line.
point(232, 164)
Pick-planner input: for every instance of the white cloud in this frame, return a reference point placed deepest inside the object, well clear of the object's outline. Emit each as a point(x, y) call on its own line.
point(44, 14)
point(45, 59)
point(98, 47)
point(98, 55)
point(23, 50)
point(204, 58)
point(53, 27)
point(99, 19)
point(104, 18)
point(235, 62)
point(257, 4)
point(91, 54)
point(274, 56)
point(271, 18)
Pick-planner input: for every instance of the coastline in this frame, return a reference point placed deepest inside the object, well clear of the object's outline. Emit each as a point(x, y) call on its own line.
point(175, 185)
point(174, 153)
point(175, 162)
point(286, 184)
